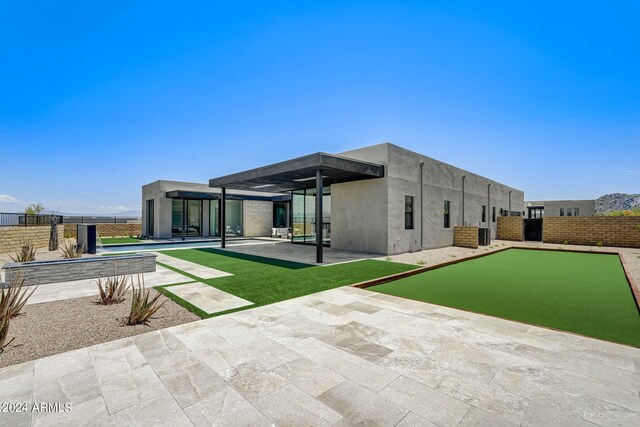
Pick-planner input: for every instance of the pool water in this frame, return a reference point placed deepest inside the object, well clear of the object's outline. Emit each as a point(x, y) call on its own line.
point(137, 247)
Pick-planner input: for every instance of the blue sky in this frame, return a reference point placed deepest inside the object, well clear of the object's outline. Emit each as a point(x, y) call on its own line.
point(99, 98)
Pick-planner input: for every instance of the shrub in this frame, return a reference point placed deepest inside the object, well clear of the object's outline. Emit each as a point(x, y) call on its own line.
point(26, 253)
point(71, 250)
point(142, 307)
point(12, 300)
point(599, 243)
point(112, 289)
point(421, 262)
point(566, 242)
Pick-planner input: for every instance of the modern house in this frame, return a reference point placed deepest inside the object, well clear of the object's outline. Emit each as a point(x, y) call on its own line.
point(540, 209)
point(381, 199)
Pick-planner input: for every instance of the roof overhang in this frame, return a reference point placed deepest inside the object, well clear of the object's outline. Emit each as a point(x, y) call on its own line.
point(300, 173)
point(198, 195)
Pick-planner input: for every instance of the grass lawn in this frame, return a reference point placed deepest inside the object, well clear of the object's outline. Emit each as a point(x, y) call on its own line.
point(266, 280)
point(119, 240)
point(576, 292)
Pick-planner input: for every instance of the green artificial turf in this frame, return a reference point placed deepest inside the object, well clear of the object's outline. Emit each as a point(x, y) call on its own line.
point(118, 240)
point(577, 292)
point(265, 280)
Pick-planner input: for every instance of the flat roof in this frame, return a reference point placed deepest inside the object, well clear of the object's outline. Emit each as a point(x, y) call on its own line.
point(300, 173)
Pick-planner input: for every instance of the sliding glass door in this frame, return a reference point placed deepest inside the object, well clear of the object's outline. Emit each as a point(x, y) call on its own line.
point(303, 205)
point(188, 213)
point(233, 218)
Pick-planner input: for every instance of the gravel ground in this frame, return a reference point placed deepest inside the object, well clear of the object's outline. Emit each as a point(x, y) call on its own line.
point(437, 256)
point(42, 254)
point(60, 326)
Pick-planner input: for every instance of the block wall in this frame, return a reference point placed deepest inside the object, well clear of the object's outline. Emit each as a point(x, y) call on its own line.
point(465, 237)
point(611, 231)
point(510, 228)
point(106, 230)
point(11, 238)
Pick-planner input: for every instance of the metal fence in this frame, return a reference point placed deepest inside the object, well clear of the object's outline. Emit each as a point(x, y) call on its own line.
point(88, 219)
point(27, 220)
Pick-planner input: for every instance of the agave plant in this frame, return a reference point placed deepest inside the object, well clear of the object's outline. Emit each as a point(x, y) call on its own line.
point(71, 250)
point(142, 305)
point(12, 299)
point(26, 253)
point(14, 296)
point(113, 289)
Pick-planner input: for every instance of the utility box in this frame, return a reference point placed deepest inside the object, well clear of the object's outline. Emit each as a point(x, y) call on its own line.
point(87, 237)
point(484, 236)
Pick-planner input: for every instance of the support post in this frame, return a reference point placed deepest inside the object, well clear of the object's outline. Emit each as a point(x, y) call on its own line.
point(184, 218)
point(509, 213)
point(319, 246)
point(223, 217)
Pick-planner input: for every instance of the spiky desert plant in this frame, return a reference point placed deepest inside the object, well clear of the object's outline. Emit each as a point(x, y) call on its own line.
point(26, 253)
point(71, 250)
point(142, 305)
point(14, 295)
point(12, 299)
point(113, 289)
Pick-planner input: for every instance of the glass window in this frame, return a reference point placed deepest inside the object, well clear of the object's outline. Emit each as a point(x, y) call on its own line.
point(447, 205)
point(484, 213)
point(408, 212)
point(493, 214)
point(192, 220)
point(150, 218)
point(233, 218)
point(561, 211)
point(214, 218)
point(303, 206)
point(576, 212)
point(279, 214)
point(568, 211)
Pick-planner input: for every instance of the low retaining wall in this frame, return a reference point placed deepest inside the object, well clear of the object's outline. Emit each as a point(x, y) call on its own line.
point(589, 230)
point(510, 228)
point(465, 237)
point(106, 230)
point(42, 272)
point(11, 238)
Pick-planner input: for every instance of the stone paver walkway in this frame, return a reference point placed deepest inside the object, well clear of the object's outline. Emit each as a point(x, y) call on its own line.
point(207, 298)
point(189, 267)
point(88, 287)
point(341, 357)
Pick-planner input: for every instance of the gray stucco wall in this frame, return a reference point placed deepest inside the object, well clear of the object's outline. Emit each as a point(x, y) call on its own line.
point(257, 218)
point(440, 182)
point(552, 207)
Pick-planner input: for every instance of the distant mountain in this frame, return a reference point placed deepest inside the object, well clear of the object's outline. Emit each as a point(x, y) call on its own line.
point(617, 202)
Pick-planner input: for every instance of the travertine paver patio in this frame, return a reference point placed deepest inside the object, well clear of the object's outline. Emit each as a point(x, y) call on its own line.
point(341, 357)
point(197, 270)
point(207, 298)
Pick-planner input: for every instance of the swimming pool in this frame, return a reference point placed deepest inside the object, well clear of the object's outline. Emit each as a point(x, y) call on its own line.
point(140, 247)
point(137, 247)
